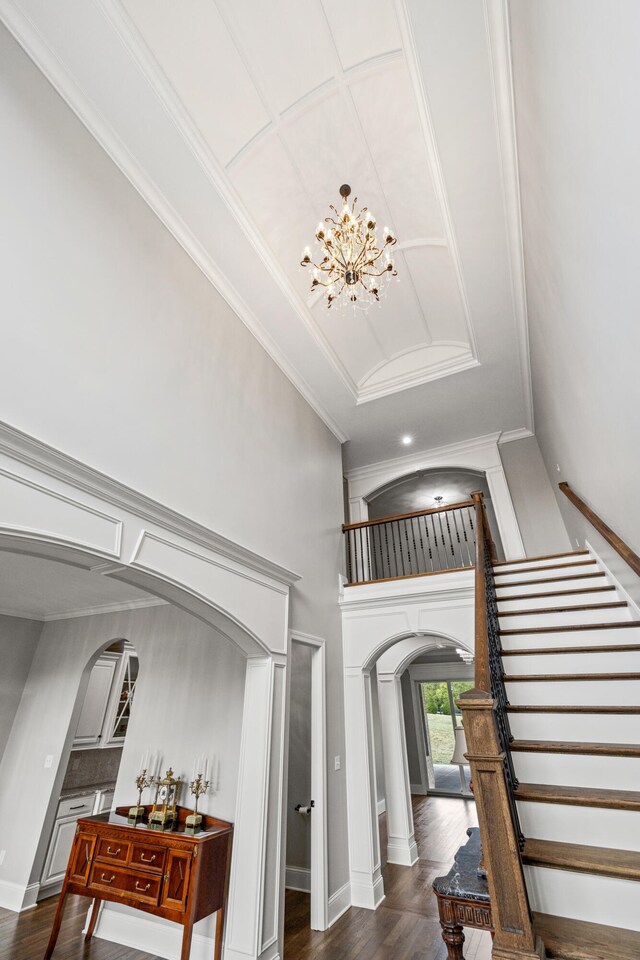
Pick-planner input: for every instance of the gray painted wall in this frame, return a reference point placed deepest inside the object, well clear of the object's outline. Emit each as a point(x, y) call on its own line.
point(18, 642)
point(540, 521)
point(576, 73)
point(188, 702)
point(125, 357)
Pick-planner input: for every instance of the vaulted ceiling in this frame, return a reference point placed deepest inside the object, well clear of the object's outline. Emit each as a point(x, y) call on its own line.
point(238, 121)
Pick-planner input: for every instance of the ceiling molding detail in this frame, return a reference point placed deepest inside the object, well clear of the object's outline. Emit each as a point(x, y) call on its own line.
point(27, 34)
point(499, 44)
point(428, 133)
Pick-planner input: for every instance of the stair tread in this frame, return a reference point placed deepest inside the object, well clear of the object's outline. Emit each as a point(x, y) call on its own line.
point(567, 939)
point(603, 861)
point(567, 627)
point(549, 566)
point(578, 796)
point(546, 556)
point(567, 576)
point(555, 593)
point(568, 708)
point(569, 677)
point(601, 648)
point(537, 611)
point(576, 747)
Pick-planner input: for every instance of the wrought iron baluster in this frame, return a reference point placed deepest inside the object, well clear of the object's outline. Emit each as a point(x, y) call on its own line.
point(458, 540)
point(348, 545)
point(444, 542)
point(446, 520)
point(406, 537)
point(386, 540)
point(361, 555)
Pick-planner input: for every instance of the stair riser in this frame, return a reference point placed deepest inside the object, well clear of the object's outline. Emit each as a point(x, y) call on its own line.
point(576, 727)
point(562, 583)
point(594, 638)
point(606, 773)
point(545, 573)
point(594, 826)
point(575, 663)
point(549, 562)
point(574, 692)
point(567, 600)
point(571, 618)
point(583, 896)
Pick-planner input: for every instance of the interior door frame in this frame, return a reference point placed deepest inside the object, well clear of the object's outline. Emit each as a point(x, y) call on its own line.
point(319, 855)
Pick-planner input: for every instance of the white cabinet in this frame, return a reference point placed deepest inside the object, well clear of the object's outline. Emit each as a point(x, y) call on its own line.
point(96, 702)
point(62, 836)
point(119, 709)
point(104, 801)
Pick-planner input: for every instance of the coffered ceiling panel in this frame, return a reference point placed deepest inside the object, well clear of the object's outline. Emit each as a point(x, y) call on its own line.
point(238, 120)
point(317, 108)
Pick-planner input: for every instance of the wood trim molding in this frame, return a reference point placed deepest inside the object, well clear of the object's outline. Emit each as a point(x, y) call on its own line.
point(623, 549)
point(405, 516)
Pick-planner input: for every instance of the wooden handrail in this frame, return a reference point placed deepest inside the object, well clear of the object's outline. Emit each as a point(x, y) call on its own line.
point(482, 679)
point(612, 538)
point(406, 516)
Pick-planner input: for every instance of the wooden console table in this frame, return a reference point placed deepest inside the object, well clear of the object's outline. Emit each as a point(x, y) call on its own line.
point(166, 873)
point(463, 897)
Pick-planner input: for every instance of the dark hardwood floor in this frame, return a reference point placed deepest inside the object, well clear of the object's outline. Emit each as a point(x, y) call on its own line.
point(405, 926)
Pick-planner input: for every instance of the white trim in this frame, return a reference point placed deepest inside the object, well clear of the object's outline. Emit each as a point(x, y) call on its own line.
point(433, 159)
point(319, 874)
point(16, 897)
point(496, 15)
point(339, 903)
point(85, 611)
point(381, 806)
point(298, 878)
point(421, 739)
point(45, 459)
point(635, 610)
point(157, 937)
point(522, 433)
point(418, 788)
point(414, 378)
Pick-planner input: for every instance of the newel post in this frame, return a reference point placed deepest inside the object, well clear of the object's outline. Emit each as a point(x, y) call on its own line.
point(514, 937)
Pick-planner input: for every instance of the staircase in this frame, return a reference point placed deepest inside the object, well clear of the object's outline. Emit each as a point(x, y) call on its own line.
point(571, 663)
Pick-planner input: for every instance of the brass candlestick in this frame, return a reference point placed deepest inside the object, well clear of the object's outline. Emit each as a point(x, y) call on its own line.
point(198, 787)
point(142, 782)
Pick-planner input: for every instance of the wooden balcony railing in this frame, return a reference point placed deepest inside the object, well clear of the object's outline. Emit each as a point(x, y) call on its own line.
point(487, 732)
point(411, 544)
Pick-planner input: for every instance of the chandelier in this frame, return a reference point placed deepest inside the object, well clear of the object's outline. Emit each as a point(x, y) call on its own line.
point(351, 266)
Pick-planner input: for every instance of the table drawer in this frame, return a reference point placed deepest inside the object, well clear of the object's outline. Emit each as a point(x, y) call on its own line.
point(112, 851)
point(138, 886)
point(147, 856)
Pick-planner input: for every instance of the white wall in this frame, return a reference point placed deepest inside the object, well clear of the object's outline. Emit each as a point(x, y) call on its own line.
point(123, 356)
point(18, 641)
point(539, 518)
point(576, 72)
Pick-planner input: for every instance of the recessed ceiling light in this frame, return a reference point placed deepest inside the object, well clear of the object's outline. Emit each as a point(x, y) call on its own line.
point(407, 440)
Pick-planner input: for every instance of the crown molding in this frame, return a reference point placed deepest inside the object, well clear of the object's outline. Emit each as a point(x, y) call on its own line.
point(499, 46)
point(40, 456)
point(93, 611)
point(522, 433)
point(50, 64)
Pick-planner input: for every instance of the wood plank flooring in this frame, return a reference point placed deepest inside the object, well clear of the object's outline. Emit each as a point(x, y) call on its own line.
point(405, 926)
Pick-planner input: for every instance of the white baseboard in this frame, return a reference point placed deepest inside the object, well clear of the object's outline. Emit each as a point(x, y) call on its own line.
point(16, 897)
point(298, 878)
point(382, 806)
point(418, 789)
point(152, 936)
point(621, 590)
point(366, 892)
point(402, 851)
point(339, 903)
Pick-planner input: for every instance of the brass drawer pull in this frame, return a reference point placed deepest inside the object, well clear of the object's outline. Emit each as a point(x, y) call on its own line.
point(144, 859)
point(107, 879)
point(113, 853)
point(142, 889)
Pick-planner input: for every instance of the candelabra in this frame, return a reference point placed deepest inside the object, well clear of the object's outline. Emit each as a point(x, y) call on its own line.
point(142, 782)
point(198, 787)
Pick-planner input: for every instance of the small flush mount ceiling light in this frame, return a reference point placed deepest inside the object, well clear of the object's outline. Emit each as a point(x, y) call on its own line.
point(350, 264)
point(406, 440)
point(440, 501)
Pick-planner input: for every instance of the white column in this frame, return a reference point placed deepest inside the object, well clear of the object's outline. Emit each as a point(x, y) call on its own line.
point(367, 888)
point(401, 842)
point(253, 920)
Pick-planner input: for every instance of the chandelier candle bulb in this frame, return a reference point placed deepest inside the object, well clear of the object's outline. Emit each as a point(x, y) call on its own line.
point(348, 258)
